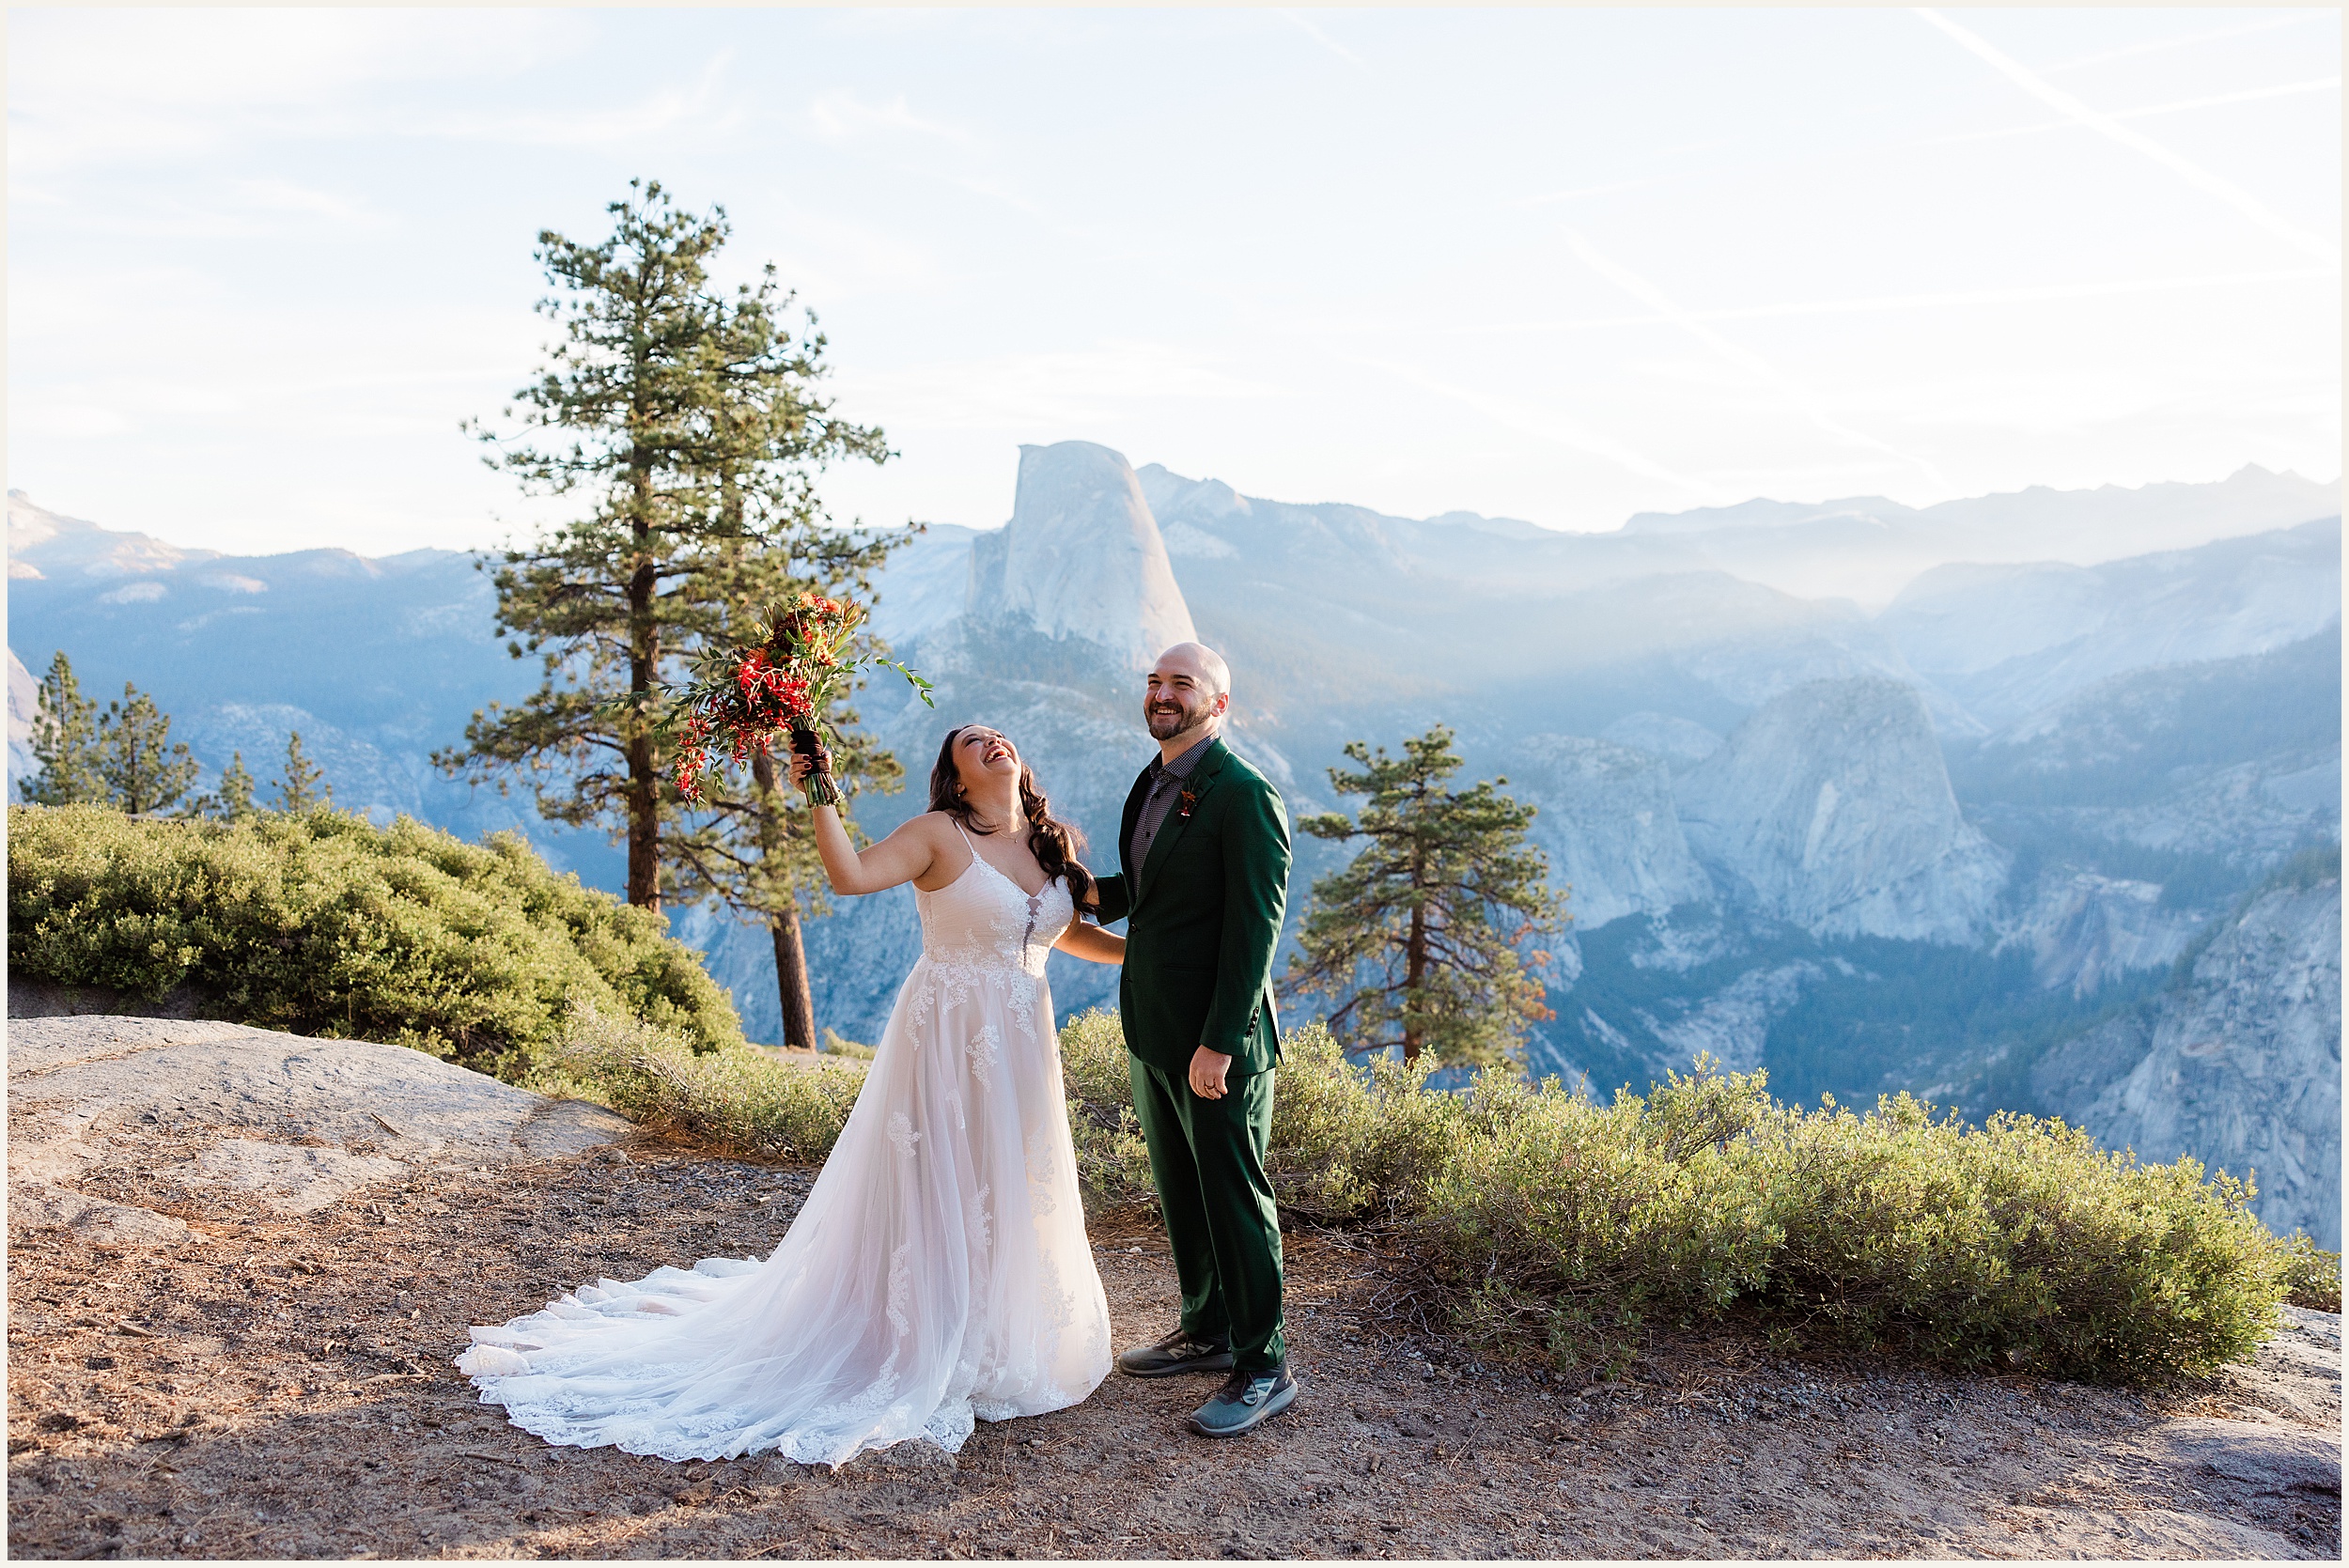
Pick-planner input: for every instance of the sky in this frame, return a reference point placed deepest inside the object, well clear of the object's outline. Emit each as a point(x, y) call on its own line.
point(1565, 265)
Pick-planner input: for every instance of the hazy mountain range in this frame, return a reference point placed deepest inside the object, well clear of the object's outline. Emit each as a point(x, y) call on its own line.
point(1870, 797)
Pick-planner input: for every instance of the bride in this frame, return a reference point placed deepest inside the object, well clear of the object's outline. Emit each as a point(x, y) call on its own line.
point(940, 1270)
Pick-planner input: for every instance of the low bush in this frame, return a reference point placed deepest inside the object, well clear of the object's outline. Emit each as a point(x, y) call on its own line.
point(1546, 1224)
point(1113, 1162)
point(1553, 1224)
point(2311, 1276)
point(321, 923)
point(735, 1100)
point(2020, 1243)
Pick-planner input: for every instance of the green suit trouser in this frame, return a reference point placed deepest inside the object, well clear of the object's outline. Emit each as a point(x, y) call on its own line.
point(1207, 1159)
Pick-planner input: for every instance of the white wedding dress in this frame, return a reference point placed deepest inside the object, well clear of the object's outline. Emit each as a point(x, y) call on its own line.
point(939, 1272)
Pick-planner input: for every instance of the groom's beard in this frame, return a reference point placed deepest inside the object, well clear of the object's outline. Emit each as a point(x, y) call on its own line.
point(1168, 720)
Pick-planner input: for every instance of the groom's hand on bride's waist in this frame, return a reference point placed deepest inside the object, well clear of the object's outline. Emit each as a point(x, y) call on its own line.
point(1207, 1068)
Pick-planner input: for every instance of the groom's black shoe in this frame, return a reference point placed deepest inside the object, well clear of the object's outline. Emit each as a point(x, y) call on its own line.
point(1176, 1353)
point(1246, 1401)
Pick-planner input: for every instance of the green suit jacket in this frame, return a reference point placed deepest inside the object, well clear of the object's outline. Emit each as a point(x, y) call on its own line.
point(1203, 913)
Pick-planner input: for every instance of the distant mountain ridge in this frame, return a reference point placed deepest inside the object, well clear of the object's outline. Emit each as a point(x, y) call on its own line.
point(1866, 548)
point(1864, 852)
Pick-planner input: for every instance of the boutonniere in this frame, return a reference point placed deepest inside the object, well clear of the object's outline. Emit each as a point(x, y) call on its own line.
point(1189, 801)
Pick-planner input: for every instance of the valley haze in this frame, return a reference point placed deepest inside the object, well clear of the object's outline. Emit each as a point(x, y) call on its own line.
point(2027, 801)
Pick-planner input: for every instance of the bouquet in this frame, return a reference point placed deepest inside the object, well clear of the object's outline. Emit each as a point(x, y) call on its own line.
point(743, 697)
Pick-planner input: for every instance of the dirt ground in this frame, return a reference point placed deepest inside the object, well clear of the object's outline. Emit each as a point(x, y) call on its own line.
point(280, 1387)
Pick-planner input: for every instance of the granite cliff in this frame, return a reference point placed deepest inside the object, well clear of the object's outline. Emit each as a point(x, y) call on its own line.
point(2238, 1064)
point(1830, 807)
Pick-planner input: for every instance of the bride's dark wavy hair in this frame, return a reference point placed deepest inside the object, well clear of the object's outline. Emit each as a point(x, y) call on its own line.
point(1054, 843)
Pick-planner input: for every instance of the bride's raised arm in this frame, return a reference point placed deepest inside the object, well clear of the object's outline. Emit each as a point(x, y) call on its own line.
point(901, 856)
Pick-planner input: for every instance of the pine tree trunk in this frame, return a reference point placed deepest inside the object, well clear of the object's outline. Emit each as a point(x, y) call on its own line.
point(1414, 972)
point(644, 777)
point(791, 986)
point(798, 997)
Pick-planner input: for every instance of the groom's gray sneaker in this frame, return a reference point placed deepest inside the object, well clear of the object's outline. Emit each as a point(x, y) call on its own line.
point(1246, 1400)
point(1176, 1353)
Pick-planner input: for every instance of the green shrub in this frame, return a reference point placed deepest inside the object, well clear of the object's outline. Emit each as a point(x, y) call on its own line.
point(1552, 1224)
point(2311, 1276)
point(734, 1100)
point(1570, 1217)
point(320, 923)
point(836, 1044)
point(1112, 1163)
point(2016, 1243)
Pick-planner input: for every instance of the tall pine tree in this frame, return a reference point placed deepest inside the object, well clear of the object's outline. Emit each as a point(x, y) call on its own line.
point(1418, 938)
point(302, 786)
point(689, 424)
point(231, 800)
point(145, 771)
point(66, 743)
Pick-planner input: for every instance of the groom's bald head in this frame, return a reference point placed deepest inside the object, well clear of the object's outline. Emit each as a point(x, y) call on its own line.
point(1204, 662)
point(1189, 690)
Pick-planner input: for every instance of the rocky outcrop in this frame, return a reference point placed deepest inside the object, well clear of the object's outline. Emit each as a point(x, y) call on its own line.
point(2084, 931)
point(1609, 825)
point(1081, 557)
point(1733, 1025)
point(305, 1122)
point(2238, 1066)
point(24, 702)
point(1681, 742)
point(1830, 807)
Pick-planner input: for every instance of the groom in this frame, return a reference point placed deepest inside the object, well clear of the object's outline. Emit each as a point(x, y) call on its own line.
point(1205, 854)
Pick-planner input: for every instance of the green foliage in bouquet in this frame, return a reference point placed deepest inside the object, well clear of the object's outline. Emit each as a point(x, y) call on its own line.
point(321, 923)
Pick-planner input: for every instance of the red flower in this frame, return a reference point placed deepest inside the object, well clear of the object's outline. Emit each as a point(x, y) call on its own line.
point(753, 673)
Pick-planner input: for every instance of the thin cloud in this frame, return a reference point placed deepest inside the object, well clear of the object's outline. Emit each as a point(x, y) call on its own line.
point(1742, 357)
point(2104, 125)
point(1028, 391)
point(2250, 95)
point(1870, 305)
point(286, 196)
point(666, 109)
point(838, 116)
point(1548, 425)
point(1332, 45)
point(2186, 41)
point(1580, 192)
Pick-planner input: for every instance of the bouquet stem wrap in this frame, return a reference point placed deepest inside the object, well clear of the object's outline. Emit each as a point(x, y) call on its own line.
point(821, 791)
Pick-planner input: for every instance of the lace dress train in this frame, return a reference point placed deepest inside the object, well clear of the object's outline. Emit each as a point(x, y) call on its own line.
point(939, 1273)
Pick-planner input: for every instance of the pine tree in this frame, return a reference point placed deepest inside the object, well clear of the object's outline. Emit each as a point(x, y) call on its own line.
point(145, 771)
point(304, 787)
point(232, 801)
point(689, 424)
point(1418, 936)
point(66, 742)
